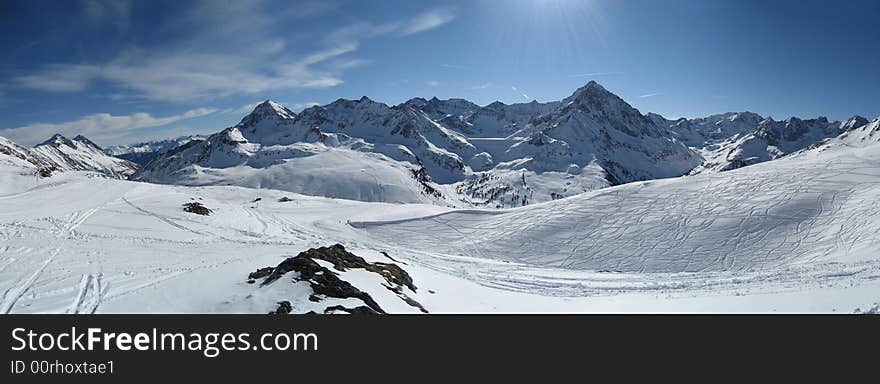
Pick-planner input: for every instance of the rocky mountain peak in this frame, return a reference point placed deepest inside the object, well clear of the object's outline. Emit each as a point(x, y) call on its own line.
point(853, 122)
point(57, 140)
point(591, 90)
point(84, 140)
point(267, 110)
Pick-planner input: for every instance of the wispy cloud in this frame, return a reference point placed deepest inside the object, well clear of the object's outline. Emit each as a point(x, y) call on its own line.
point(242, 57)
point(298, 107)
point(651, 95)
point(189, 76)
point(249, 107)
point(101, 127)
point(453, 66)
point(428, 20)
point(481, 86)
point(593, 74)
point(60, 78)
point(246, 108)
point(432, 83)
point(521, 93)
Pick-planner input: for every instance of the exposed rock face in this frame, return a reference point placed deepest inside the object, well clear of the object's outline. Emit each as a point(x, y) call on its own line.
point(327, 283)
point(197, 208)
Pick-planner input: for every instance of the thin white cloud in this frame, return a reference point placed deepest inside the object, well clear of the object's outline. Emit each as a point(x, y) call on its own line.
point(428, 20)
point(240, 58)
point(453, 66)
point(521, 93)
point(181, 77)
point(247, 108)
point(593, 74)
point(650, 95)
point(432, 83)
point(481, 86)
point(298, 107)
point(420, 23)
point(60, 78)
point(100, 127)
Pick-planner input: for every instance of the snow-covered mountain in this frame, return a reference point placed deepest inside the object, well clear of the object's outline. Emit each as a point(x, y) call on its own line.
point(707, 131)
point(144, 152)
point(274, 148)
point(62, 154)
point(434, 151)
point(859, 132)
point(594, 125)
point(797, 234)
point(769, 140)
point(81, 154)
point(19, 156)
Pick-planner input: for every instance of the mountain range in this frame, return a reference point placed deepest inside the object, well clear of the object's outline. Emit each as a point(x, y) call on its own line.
point(449, 152)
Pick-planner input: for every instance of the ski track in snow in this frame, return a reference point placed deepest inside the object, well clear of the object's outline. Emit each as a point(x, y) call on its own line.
point(12, 295)
point(784, 226)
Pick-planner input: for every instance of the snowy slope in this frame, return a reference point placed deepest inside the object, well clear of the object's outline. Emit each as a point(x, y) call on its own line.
point(81, 154)
point(795, 234)
point(810, 209)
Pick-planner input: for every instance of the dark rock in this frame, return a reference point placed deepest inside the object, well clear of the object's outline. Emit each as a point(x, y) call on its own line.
point(326, 282)
point(284, 308)
point(391, 258)
point(360, 310)
point(257, 199)
point(197, 208)
point(46, 171)
point(284, 199)
point(322, 280)
point(261, 273)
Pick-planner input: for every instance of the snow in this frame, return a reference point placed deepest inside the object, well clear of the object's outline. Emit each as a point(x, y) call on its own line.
point(574, 206)
point(453, 141)
point(798, 234)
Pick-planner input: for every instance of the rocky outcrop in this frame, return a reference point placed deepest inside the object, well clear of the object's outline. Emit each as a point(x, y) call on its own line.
point(327, 283)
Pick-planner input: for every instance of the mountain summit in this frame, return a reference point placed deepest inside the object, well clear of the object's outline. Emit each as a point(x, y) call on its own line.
point(267, 110)
point(81, 154)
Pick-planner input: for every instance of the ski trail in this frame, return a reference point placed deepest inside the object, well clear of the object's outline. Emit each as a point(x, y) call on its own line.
point(6, 264)
point(163, 219)
point(98, 293)
point(12, 295)
point(176, 225)
point(74, 224)
point(81, 293)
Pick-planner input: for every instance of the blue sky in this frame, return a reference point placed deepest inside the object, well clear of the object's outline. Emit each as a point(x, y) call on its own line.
point(124, 71)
